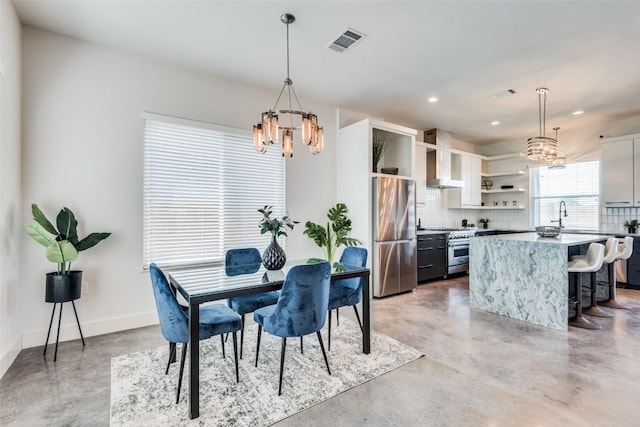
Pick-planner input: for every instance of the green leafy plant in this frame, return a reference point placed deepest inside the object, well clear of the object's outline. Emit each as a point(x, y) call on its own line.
point(277, 227)
point(631, 224)
point(379, 146)
point(334, 234)
point(484, 220)
point(62, 243)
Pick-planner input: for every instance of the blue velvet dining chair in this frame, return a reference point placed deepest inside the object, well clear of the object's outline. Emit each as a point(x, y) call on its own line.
point(348, 292)
point(246, 261)
point(216, 319)
point(300, 310)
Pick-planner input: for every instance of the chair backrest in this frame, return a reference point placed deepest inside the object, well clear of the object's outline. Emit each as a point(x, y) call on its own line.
point(595, 255)
point(354, 256)
point(610, 250)
point(173, 320)
point(303, 302)
point(242, 261)
point(627, 248)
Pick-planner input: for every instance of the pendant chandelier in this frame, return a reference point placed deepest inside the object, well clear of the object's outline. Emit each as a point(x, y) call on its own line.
point(542, 148)
point(287, 120)
point(558, 162)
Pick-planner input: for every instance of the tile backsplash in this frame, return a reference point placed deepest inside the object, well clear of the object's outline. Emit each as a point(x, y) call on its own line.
point(613, 219)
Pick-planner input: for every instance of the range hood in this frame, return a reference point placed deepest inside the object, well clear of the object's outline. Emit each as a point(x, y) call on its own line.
point(439, 160)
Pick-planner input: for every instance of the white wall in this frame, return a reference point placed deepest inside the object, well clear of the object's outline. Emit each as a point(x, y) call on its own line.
point(82, 148)
point(10, 192)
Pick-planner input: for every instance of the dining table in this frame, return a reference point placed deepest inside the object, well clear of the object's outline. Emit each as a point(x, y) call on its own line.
point(203, 284)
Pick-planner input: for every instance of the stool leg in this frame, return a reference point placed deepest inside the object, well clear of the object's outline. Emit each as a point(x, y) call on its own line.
point(578, 320)
point(594, 310)
point(611, 302)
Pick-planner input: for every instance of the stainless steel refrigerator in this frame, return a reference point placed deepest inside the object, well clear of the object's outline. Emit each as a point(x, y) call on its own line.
point(394, 236)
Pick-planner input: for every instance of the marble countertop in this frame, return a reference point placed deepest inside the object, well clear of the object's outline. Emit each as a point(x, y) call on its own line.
point(431, 232)
point(565, 239)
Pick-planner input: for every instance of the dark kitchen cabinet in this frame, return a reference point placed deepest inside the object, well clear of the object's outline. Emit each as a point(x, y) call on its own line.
point(432, 256)
point(633, 265)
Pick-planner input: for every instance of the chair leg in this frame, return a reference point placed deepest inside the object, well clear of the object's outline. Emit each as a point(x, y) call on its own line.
point(611, 302)
point(258, 346)
point(235, 354)
point(355, 308)
point(301, 345)
point(326, 361)
point(224, 356)
point(241, 335)
point(282, 352)
point(182, 359)
point(338, 316)
point(594, 310)
point(578, 320)
point(172, 353)
point(329, 330)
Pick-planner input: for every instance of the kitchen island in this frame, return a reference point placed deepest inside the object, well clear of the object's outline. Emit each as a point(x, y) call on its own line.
point(524, 276)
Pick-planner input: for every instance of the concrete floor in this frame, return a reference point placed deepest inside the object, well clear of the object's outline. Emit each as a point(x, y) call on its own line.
point(479, 369)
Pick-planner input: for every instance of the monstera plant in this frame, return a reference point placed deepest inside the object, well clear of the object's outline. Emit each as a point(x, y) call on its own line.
point(62, 245)
point(334, 234)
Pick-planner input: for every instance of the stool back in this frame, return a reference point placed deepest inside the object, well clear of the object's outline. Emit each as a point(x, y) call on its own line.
point(626, 250)
point(610, 250)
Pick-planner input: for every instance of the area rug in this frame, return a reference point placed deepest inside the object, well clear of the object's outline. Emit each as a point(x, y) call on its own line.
point(142, 395)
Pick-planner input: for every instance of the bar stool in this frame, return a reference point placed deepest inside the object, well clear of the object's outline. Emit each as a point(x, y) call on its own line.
point(586, 264)
point(623, 252)
point(610, 253)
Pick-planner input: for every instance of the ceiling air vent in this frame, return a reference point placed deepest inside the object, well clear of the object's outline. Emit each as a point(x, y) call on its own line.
point(502, 94)
point(345, 40)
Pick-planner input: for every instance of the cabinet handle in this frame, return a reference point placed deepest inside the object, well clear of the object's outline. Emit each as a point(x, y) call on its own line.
point(426, 266)
point(617, 203)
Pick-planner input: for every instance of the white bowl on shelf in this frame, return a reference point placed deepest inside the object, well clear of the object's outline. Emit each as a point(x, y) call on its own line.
point(548, 231)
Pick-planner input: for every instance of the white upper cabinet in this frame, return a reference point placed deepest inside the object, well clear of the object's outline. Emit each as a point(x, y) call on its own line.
point(618, 173)
point(469, 170)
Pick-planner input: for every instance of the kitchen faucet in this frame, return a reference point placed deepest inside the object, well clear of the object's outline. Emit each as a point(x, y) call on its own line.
point(559, 221)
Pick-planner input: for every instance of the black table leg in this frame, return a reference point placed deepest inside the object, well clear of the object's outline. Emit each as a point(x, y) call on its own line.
point(53, 312)
point(366, 316)
point(194, 360)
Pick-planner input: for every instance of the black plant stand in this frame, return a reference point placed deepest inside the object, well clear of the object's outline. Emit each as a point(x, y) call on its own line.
point(55, 353)
point(61, 289)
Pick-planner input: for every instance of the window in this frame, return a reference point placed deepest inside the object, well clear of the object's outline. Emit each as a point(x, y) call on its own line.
point(578, 185)
point(203, 185)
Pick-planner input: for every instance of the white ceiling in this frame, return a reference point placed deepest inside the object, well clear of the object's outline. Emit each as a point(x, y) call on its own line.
point(586, 53)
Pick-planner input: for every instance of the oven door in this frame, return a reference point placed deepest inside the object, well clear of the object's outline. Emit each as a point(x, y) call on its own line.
point(458, 253)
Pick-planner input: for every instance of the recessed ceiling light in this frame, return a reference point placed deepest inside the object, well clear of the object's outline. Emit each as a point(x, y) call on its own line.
point(495, 123)
point(432, 99)
point(577, 113)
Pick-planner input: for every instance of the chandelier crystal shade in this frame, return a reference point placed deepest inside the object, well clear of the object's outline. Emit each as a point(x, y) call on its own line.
point(542, 148)
point(278, 125)
point(557, 162)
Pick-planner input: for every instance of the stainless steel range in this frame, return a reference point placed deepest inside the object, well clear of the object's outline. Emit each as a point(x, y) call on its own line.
point(458, 250)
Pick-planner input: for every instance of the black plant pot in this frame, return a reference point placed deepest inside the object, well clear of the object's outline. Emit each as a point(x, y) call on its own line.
point(63, 287)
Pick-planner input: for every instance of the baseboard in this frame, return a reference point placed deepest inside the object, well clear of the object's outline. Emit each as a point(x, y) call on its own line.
point(9, 356)
point(92, 328)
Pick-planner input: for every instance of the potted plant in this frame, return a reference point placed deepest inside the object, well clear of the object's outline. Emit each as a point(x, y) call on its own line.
point(334, 234)
point(379, 146)
point(484, 222)
point(274, 257)
point(62, 248)
point(631, 226)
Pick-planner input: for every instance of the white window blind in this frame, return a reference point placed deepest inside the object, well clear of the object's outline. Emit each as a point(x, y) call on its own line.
point(203, 185)
point(578, 185)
